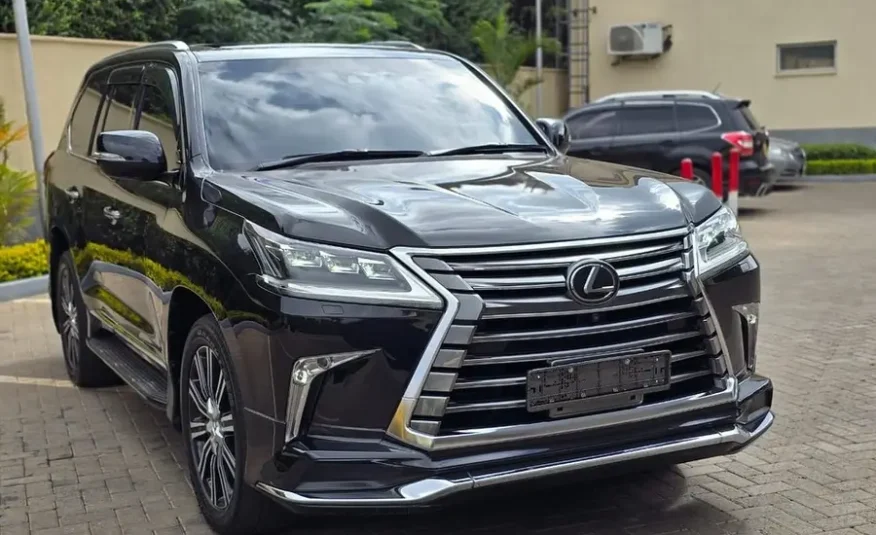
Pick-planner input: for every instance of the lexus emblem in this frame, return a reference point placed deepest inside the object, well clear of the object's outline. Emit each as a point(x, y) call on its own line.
point(592, 282)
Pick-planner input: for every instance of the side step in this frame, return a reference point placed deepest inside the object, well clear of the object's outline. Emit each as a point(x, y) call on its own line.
point(145, 379)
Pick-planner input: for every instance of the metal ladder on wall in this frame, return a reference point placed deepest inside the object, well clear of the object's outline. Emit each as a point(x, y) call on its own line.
point(578, 20)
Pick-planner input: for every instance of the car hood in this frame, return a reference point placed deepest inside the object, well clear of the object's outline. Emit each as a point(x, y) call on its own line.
point(463, 201)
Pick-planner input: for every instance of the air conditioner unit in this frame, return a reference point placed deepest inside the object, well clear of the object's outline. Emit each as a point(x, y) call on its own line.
point(644, 39)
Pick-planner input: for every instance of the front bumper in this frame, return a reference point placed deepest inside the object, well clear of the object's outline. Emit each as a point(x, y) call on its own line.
point(443, 485)
point(344, 458)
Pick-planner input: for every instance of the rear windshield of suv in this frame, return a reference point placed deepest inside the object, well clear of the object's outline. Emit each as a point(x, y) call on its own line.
point(259, 110)
point(745, 111)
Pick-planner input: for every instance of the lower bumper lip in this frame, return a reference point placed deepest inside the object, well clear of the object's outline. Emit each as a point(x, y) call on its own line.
point(428, 490)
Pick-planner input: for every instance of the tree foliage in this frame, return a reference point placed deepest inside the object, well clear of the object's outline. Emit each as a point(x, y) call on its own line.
point(505, 49)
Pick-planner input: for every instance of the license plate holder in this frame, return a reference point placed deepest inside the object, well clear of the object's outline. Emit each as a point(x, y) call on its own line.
point(572, 387)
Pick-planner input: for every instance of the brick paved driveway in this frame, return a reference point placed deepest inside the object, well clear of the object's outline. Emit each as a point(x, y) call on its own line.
point(101, 462)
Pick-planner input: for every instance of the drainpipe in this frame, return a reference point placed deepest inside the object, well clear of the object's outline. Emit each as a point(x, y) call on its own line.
point(25, 54)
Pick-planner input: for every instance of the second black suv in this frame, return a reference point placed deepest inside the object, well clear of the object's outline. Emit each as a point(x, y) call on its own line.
point(360, 276)
point(656, 130)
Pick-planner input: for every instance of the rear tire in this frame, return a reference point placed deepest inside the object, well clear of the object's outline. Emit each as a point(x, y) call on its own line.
point(699, 177)
point(215, 436)
point(84, 368)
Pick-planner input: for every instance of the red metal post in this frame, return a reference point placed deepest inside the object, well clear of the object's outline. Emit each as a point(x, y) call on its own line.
point(687, 169)
point(733, 181)
point(718, 175)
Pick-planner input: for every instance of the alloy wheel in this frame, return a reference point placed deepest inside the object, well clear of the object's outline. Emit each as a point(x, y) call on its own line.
point(69, 319)
point(211, 427)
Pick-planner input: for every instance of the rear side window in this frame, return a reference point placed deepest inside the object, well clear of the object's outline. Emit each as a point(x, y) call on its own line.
point(593, 124)
point(646, 120)
point(692, 117)
point(86, 111)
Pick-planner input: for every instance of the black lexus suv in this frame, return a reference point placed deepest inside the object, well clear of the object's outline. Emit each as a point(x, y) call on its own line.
point(657, 129)
point(360, 276)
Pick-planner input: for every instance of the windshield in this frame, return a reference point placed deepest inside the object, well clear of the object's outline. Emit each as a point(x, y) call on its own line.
point(259, 110)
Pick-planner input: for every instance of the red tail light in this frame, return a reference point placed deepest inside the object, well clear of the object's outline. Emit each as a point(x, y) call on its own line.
point(741, 140)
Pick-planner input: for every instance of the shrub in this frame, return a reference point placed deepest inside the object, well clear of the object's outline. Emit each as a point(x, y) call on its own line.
point(841, 167)
point(24, 260)
point(839, 151)
point(17, 188)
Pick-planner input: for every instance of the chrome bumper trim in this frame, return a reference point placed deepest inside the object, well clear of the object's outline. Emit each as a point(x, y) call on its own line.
point(429, 490)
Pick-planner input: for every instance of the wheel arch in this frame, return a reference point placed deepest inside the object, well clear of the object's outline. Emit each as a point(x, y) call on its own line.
point(58, 243)
point(185, 308)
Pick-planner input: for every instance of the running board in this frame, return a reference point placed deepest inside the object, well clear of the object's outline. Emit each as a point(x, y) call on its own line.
point(145, 379)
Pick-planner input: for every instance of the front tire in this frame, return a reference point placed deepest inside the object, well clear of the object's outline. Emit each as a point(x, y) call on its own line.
point(215, 436)
point(84, 368)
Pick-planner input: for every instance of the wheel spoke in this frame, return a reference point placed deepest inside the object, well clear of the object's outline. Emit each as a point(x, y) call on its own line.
point(198, 429)
point(204, 461)
point(227, 457)
point(227, 425)
point(202, 376)
point(220, 387)
point(197, 399)
point(225, 485)
point(214, 470)
point(208, 385)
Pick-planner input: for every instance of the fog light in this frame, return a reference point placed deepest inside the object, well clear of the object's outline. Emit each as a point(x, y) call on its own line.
point(304, 373)
point(749, 318)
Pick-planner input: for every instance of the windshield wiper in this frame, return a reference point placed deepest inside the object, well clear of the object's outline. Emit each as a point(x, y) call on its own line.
point(491, 148)
point(337, 156)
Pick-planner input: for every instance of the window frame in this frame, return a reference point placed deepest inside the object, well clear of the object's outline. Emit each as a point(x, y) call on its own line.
point(780, 47)
point(68, 130)
point(148, 79)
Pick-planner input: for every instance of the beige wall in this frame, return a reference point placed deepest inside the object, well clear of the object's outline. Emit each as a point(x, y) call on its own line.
point(554, 92)
point(734, 44)
point(60, 65)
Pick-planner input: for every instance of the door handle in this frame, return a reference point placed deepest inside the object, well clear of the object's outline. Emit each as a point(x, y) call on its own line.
point(72, 194)
point(111, 214)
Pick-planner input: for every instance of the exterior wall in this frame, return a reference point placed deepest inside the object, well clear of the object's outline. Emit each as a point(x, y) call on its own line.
point(60, 64)
point(732, 46)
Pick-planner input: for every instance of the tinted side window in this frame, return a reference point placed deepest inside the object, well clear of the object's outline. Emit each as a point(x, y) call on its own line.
point(119, 113)
point(693, 117)
point(158, 114)
point(86, 112)
point(646, 120)
point(593, 124)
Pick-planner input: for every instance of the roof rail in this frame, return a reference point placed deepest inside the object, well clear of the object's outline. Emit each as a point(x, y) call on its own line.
point(658, 94)
point(399, 44)
point(176, 45)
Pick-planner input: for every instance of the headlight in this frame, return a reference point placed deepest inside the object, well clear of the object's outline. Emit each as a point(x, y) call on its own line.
point(718, 242)
point(316, 271)
point(776, 151)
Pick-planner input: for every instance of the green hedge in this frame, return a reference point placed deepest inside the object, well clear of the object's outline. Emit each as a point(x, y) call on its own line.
point(839, 151)
point(841, 167)
point(24, 260)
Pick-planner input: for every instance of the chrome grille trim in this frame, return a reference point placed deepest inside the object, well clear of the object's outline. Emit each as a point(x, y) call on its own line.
point(421, 433)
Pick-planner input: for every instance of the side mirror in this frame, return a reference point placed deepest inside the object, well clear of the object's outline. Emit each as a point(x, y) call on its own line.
point(131, 154)
point(557, 131)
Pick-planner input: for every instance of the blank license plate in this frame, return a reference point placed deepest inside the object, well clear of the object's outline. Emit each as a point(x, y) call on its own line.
point(598, 384)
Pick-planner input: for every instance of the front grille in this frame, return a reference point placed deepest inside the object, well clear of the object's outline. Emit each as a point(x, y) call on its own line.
point(514, 315)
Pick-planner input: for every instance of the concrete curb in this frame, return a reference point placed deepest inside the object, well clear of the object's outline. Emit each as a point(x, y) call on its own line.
point(24, 288)
point(812, 179)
